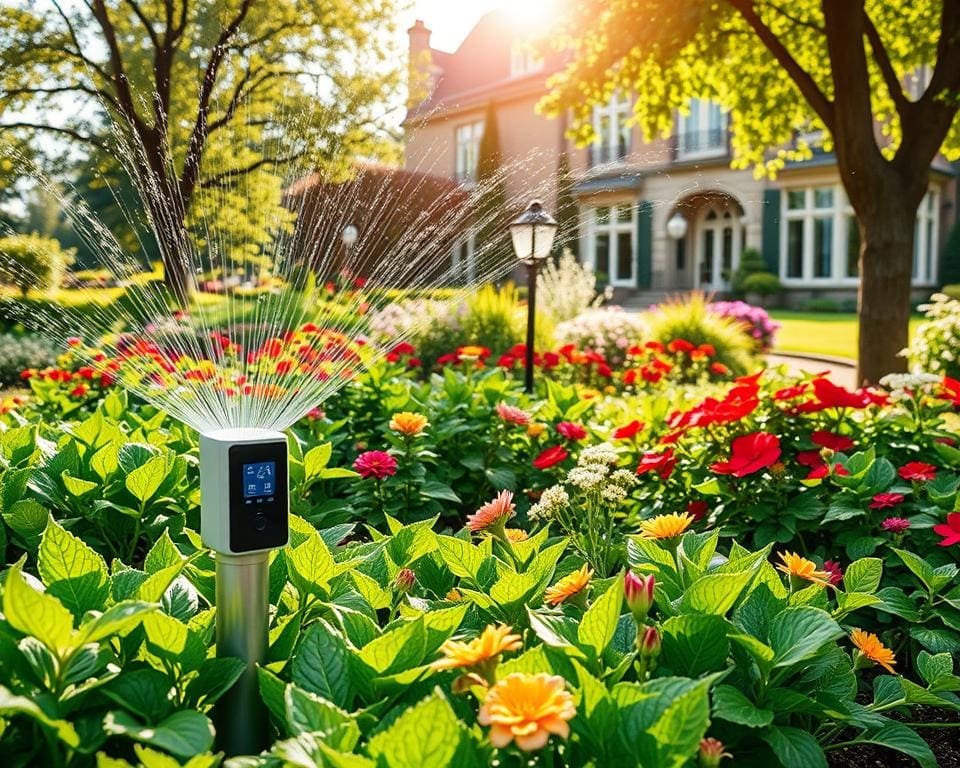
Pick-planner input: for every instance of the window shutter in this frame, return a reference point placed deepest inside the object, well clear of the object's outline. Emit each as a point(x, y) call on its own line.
point(644, 243)
point(771, 229)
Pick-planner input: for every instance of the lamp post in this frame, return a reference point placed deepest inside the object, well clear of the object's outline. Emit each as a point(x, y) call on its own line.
point(532, 233)
point(349, 239)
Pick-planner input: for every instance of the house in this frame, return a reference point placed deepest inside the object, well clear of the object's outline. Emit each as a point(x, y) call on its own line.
point(627, 190)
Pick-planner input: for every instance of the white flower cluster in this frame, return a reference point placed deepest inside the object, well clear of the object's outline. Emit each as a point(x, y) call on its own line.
point(594, 472)
point(553, 499)
point(567, 288)
point(935, 346)
point(900, 384)
point(602, 453)
point(609, 331)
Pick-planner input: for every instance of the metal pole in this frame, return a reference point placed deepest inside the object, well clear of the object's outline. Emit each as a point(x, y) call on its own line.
point(531, 320)
point(243, 608)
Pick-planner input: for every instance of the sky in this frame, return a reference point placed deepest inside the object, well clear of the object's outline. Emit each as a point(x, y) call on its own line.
point(451, 20)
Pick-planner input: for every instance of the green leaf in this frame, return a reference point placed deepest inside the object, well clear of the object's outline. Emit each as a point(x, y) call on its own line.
point(11, 704)
point(597, 717)
point(715, 593)
point(75, 486)
point(863, 575)
point(144, 481)
point(933, 667)
point(162, 554)
point(428, 735)
point(599, 623)
point(315, 461)
point(214, 678)
point(797, 634)
point(732, 705)
point(918, 566)
point(310, 566)
point(183, 734)
point(682, 725)
point(461, 557)
point(434, 489)
point(72, 571)
point(173, 641)
point(794, 748)
point(118, 619)
point(27, 518)
point(36, 613)
point(308, 713)
point(396, 650)
point(901, 738)
point(320, 665)
point(695, 644)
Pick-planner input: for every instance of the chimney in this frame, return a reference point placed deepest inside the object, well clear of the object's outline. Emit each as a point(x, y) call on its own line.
point(420, 74)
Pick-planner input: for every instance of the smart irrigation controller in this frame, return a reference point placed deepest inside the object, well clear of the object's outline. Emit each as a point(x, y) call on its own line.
point(244, 495)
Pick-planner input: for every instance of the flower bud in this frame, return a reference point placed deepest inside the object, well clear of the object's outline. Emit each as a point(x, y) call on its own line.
point(404, 580)
point(650, 644)
point(712, 752)
point(638, 591)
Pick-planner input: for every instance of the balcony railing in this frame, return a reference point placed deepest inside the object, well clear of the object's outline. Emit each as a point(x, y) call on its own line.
point(708, 143)
point(606, 153)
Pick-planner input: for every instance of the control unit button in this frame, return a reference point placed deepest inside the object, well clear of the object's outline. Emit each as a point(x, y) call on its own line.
point(260, 522)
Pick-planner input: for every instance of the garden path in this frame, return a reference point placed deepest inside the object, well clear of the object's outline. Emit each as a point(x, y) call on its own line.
point(842, 371)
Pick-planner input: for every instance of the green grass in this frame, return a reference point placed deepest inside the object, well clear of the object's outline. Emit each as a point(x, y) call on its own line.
point(823, 333)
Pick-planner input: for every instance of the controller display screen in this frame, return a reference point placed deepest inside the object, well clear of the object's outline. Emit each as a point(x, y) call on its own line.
point(259, 479)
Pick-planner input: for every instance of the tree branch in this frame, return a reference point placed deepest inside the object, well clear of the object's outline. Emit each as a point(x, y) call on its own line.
point(57, 129)
point(76, 88)
point(218, 179)
point(894, 86)
point(120, 83)
point(76, 42)
point(135, 7)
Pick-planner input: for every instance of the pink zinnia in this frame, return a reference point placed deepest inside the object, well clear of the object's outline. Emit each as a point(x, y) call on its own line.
point(886, 500)
point(378, 464)
point(836, 572)
point(512, 415)
point(895, 524)
point(918, 470)
point(493, 514)
point(571, 431)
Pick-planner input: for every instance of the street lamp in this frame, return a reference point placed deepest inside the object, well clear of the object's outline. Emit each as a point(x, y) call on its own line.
point(532, 233)
point(677, 226)
point(349, 239)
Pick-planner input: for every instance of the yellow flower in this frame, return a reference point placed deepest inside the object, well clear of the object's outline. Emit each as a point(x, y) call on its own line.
point(871, 648)
point(801, 568)
point(527, 709)
point(472, 352)
point(454, 595)
point(665, 526)
point(408, 423)
point(568, 586)
point(516, 535)
point(536, 429)
point(491, 643)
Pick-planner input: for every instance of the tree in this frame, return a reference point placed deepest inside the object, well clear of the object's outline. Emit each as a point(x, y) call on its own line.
point(782, 68)
point(492, 235)
point(32, 261)
point(568, 215)
point(207, 101)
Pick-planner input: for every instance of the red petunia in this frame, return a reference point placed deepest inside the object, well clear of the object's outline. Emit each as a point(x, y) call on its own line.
point(950, 390)
point(550, 456)
point(950, 530)
point(749, 454)
point(831, 440)
point(917, 470)
point(825, 470)
point(404, 348)
point(791, 393)
point(886, 500)
point(628, 430)
point(809, 458)
point(719, 369)
point(661, 463)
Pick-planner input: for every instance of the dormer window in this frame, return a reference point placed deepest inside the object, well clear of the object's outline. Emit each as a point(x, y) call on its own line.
point(524, 60)
point(613, 132)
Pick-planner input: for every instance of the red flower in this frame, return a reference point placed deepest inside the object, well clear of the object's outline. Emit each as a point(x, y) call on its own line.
point(654, 346)
point(450, 357)
point(630, 377)
point(951, 390)
point(836, 572)
point(628, 430)
point(404, 348)
point(378, 464)
point(79, 391)
point(831, 440)
point(825, 470)
point(661, 463)
point(895, 524)
point(414, 362)
point(571, 431)
point(698, 509)
point(707, 350)
point(950, 530)
point(809, 458)
point(719, 369)
point(749, 454)
point(680, 345)
point(886, 500)
point(791, 393)
point(918, 470)
point(550, 456)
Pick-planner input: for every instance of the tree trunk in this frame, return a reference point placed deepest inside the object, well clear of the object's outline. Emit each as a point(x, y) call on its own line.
point(886, 270)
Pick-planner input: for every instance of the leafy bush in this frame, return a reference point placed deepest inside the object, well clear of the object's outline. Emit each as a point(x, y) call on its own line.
point(763, 284)
point(751, 262)
point(822, 304)
point(953, 291)
point(609, 331)
point(494, 318)
point(754, 320)
point(691, 319)
point(935, 346)
point(33, 262)
point(18, 353)
point(566, 288)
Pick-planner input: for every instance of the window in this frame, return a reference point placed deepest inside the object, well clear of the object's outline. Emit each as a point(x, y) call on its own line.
point(610, 232)
point(820, 237)
point(703, 132)
point(463, 259)
point(468, 150)
point(613, 132)
point(523, 60)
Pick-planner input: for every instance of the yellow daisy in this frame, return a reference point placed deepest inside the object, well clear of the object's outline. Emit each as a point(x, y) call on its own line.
point(801, 568)
point(491, 643)
point(665, 526)
point(408, 423)
point(871, 648)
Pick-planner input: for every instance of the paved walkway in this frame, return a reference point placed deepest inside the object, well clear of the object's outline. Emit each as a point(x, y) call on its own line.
point(842, 372)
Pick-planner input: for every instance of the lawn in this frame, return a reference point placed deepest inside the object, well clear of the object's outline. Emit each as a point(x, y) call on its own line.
point(822, 333)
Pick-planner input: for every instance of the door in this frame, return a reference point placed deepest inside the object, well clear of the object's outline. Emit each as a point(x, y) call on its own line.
point(719, 249)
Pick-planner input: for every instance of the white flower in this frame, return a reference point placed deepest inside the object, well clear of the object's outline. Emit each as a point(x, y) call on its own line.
point(553, 499)
point(586, 477)
point(614, 493)
point(602, 453)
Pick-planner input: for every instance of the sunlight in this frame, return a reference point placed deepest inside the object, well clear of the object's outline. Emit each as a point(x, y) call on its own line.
point(532, 14)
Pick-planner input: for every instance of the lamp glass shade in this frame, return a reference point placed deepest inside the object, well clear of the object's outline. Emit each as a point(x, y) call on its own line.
point(350, 235)
point(533, 233)
point(677, 227)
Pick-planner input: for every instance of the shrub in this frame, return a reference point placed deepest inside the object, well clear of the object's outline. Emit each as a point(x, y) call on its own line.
point(822, 304)
point(567, 288)
point(754, 320)
point(493, 318)
point(609, 332)
point(18, 353)
point(762, 283)
point(953, 291)
point(691, 319)
point(32, 261)
point(751, 262)
point(935, 347)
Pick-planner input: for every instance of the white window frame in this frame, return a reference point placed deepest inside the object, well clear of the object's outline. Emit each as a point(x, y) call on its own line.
point(467, 138)
point(698, 121)
point(843, 215)
point(605, 150)
point(718, 225)
point(467, 245)
point(524, 60)
point(613, 229)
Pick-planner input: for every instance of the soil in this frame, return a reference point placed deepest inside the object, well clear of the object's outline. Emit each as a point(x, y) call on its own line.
point(945, 743)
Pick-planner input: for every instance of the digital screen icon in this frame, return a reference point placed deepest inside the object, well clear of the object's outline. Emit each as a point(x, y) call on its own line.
point(259, 479)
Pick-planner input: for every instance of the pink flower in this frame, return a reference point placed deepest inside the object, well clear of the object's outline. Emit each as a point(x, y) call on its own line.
point(512, 415)
point(550, 456)
point(493, 514)
point(836, 572)
point(638, 591)
point(918, 470)
point(378, 464)
point(571, 431)
point(886, 501)
point(950, 530)
point(895, 524)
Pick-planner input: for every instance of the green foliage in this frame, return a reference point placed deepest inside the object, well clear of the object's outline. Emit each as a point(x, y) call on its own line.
point(493, 318)
point(17, 353)
point(751, 261)
point(32, 262)
point(762, 283)
point(492, 209)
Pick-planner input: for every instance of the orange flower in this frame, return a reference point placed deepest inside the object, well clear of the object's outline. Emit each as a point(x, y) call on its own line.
point(665, 526)
point(493, 514)
point(408, 423)
point(536, 429)
point(516, 535)
point(491, 643)
point(870, 647)
point(801, 568)
point(527, 709)
point(568, 586)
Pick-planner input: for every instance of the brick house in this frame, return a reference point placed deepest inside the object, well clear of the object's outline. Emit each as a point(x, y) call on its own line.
point(626, 190)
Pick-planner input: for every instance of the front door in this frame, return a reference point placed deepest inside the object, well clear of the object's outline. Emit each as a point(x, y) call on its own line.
point(719, 246)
